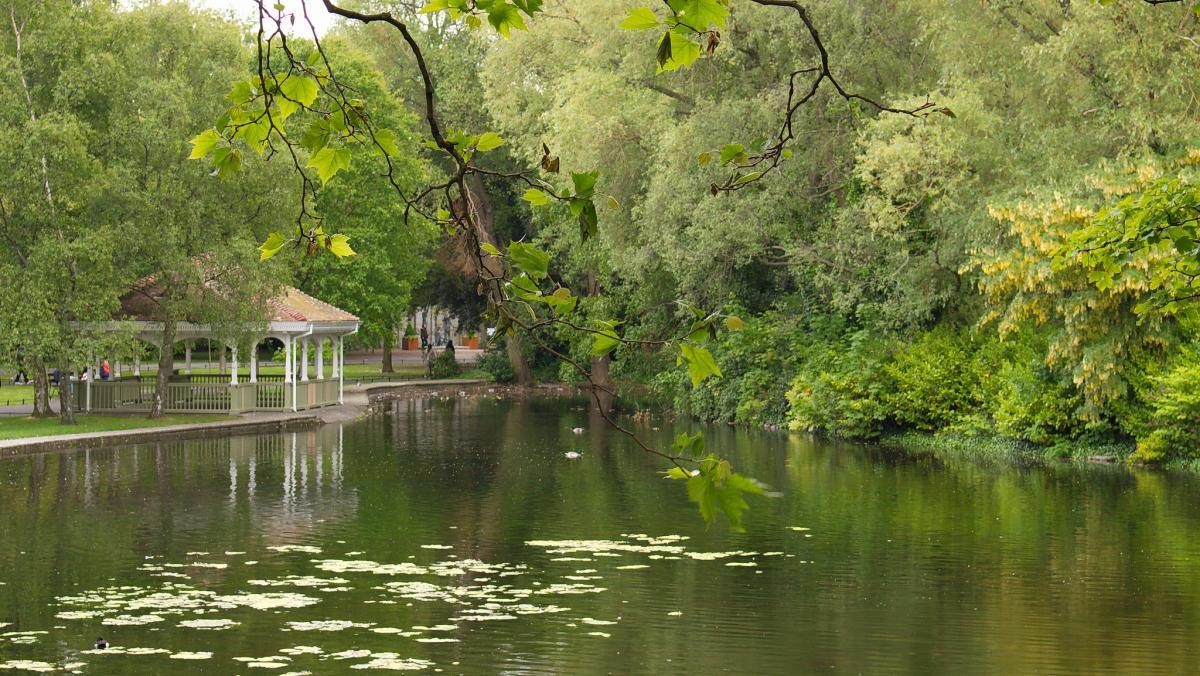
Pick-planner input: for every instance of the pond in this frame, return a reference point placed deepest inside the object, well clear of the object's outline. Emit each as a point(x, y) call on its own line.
point(451, 535)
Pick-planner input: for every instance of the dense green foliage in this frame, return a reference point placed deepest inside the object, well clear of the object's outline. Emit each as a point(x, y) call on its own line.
point(1020, 266)
point(950, 234)
point(496, 365)
point(97, 189)
point(444, 365)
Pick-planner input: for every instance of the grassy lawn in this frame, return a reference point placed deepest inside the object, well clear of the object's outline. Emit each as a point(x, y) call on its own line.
point(17, 428)
point(11, 395)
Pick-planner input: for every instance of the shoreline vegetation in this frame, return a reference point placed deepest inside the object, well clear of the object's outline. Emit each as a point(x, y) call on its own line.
point(1000, 450)
point(981, 448)
point(1004, 245)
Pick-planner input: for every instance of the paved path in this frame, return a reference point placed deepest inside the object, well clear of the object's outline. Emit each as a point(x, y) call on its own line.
point(356, 397)
point(407, 357)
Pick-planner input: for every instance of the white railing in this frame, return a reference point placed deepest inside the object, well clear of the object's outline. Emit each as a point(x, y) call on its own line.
point(191, 397)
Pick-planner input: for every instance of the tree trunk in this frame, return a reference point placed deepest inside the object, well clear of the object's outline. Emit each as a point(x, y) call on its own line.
point(485, 220)
point(41, 389)
point(601, 380)
point(516, 356)
point(66, 408)
point(388, 344)
point(602, 383)
point(166, 364)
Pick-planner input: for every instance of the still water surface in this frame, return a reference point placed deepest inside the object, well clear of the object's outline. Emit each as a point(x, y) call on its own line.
point(453, 536)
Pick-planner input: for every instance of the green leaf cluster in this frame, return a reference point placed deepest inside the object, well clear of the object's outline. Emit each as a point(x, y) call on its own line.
point(717, 489)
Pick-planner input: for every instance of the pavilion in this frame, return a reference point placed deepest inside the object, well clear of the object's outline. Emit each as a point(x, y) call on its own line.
point(294, 318)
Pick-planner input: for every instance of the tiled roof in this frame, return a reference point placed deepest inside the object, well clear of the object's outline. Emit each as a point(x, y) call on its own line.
point(292, 305)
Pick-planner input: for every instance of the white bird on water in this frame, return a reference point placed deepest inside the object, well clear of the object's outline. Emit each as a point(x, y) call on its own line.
point(577, 430)
point(571, 455)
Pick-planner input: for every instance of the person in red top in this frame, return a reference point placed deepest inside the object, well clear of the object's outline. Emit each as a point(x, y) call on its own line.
point(105, 371)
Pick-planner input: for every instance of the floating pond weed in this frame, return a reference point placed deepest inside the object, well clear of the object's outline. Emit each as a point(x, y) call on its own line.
point(191, 656)
point(474, 593)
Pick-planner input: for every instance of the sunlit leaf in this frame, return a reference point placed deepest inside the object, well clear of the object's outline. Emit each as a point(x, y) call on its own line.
point(203, 144)
point(504, 18)
point(329, 161)
point(274, 243)
point(528, 6)
point(300, 89)
point(718, 490)
point(536, 197)
point(605, 341)
point(242, 92)
point(732, 152)
point(386, 139)
point(488, 141)
point(316, 136)
point(435, 6)
point(700, 363)
point(529, 259)
point(255, 134)
point(339, 246)
point(640, 18)
point(228, 161)
point(700, 14)
point(676, 51)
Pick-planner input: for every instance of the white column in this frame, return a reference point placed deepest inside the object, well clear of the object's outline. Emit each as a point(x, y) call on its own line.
point(254, 363)
point(233, 365)
point(291, 353)
point(187, 357)
point(336, 344)
point(287, 359)
point(137, 361)
point(339, 356)
point(116, 374)
point(304, 364)
point(320, 359)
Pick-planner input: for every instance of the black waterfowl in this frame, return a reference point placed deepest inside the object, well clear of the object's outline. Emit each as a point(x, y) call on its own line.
point(101, 644)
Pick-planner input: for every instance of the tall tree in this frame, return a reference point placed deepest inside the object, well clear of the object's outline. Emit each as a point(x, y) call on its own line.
point(376, 285)
point(193, 234)
point(59, 229)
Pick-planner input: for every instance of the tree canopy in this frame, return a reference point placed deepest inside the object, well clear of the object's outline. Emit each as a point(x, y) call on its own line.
point(843, 217)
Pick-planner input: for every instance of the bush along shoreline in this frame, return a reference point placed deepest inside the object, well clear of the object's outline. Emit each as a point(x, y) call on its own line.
point(959, 388)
